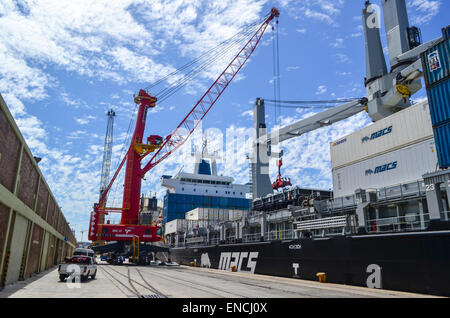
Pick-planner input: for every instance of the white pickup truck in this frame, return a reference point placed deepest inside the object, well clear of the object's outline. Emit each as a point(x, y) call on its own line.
point(78, 265)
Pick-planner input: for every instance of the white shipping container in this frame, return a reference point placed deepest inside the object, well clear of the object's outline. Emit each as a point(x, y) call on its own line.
point(399, 130)
point(208, 214)
point(397, 167)
point(174, 226)
point(192, 215)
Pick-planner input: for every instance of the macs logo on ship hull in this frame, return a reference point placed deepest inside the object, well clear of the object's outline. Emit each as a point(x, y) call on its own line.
point(383, 168)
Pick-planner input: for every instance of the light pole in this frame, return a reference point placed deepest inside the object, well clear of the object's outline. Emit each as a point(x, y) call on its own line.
point(82, 232)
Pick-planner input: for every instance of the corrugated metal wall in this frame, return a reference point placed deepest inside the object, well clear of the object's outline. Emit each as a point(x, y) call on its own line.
point(441, 135)
point(33, 231)
point(437, 63)
point(439, 102)
point(177, 204)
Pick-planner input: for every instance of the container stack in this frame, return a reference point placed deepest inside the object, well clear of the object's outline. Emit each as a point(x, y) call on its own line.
point(395, 150)
point(436, 65)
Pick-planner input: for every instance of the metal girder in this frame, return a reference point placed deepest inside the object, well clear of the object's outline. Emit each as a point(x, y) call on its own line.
point(325, 118)
point(417, 51)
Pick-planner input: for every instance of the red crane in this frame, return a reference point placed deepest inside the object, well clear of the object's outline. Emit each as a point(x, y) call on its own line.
point(128, 229)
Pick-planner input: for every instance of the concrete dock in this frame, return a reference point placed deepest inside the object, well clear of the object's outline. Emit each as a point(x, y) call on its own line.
point(129, 281)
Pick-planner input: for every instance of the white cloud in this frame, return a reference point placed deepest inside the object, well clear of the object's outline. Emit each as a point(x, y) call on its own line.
point(85, 120)
point(292, 68)
point(338, 43)
point(320, 10)
point(322, 89)
point(248, 113)
point(343, 58)
point(424, 10)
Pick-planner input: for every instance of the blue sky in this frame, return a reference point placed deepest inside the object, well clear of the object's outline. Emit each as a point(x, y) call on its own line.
point(63, 64)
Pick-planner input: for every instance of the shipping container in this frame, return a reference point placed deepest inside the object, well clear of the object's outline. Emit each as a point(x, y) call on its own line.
point(397, 167)
point(442, 138)
point(176, 205)
point(446, 32)
point(439, 98)
point(174, 226)
point(407, 127)
point(208, 214)
point(436, 63)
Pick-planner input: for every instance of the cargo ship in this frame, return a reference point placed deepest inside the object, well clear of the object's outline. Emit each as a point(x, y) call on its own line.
point(387, 222)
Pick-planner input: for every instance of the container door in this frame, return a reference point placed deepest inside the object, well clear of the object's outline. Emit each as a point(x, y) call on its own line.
point(18, 241)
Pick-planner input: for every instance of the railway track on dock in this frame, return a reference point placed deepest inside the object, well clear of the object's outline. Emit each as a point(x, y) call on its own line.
point(131, 284)
point(199, 285)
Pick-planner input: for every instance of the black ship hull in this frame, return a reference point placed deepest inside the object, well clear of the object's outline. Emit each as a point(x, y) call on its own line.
point(413, 262)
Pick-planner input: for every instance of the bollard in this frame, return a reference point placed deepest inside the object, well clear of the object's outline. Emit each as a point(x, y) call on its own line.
point(322, 277)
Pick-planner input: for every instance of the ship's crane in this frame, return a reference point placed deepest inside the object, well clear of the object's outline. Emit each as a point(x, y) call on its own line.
point(387, 92)
point(128, 229)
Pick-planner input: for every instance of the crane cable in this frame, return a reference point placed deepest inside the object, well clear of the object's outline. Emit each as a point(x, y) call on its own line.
point(301, 102)
point(196, 60)
point(126, 142)
point(167, 92)
point(317, 104)
point(196, 66)
point(276, 70)
point(183, 81)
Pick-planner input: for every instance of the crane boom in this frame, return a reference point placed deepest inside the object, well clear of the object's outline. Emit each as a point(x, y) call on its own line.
point(325, 118)
point(137, 151)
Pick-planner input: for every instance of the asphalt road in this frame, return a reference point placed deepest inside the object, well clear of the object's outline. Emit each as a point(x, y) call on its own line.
point(129, 281)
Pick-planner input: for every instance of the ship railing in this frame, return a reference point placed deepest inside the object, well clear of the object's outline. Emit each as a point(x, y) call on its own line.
point(270, 236)
point(410, 222)
point(230, 239)
point(280, 235)
point(256, 237)
point(214, 241)
point(336, 222)
point(341, 203)
point(279, 216)
point(401, 191)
